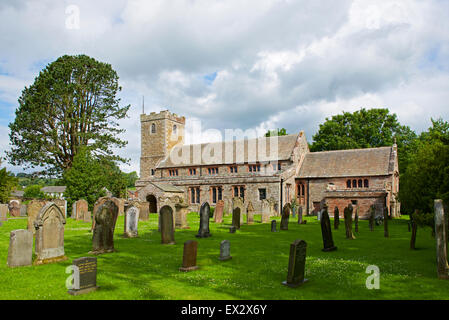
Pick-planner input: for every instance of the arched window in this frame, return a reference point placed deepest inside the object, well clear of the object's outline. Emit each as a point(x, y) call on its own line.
point(354, 183)
point(366, 183)
point(175, 129)
point(153, 128)
point(348, 184)
point(360, 183)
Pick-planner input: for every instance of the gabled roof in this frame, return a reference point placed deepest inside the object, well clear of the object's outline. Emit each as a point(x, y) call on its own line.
point(54, 189)
point(243, 151)
point(347, 163)
point(17, 193)
point(166, 187)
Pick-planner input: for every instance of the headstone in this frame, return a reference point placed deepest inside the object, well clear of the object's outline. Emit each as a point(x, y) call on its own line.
point(14, 208)
point(204, 231)
point(250, 213)
point(49, 226)
point(3, 212)
point(218, 213)
point(326, 232)
point(225, 250)
point(84, 276)
point(386, 234)
point(414, 227)
point(73, 215)
point(87, 217)
point(236, 218)
point(356, 220)
point(131, 221)
point(300, 221)
point(273, 226)
point(99, 203)
point(144, 213)
point(348, 222)
point(189, 256)
point(371, 218)
point(20, 251)
point(33, 208)
point(103, 233)
point(441, 240)
point(318, 215)
point(181, 216)
point(285, 216)
point(167, 225)
point(232, 229)
point(294, 211)
point(237, 202)
point(296, 264)
point(81, 207)
point(266, 212)
point(23, 210)
point(62, 204)
point(336, 218)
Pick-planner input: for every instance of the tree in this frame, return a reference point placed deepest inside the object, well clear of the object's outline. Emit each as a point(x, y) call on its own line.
point(8, 182)
point(278, 132)
point(34, 192)
point(72, 103)
point(365, 129)
point(131, 179)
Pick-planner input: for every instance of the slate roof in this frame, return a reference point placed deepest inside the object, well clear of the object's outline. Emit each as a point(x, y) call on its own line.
point(17, 193)
point(347, 163)
point(167, 187)
point(54, 189)
point(285, 145)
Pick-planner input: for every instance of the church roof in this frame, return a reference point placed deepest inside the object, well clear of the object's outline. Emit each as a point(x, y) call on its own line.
point(166, 187)
point(243, 151)
point(347, 163)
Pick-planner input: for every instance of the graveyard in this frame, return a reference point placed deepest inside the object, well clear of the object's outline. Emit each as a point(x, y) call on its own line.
point(143, 268)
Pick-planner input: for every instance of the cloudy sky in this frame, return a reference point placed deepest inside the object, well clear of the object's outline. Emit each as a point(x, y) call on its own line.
point(239, 64)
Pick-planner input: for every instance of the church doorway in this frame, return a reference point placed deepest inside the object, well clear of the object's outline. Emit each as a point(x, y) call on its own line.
point(153, 203)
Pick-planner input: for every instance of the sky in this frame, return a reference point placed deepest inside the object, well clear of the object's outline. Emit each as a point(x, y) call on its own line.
point(228, 64)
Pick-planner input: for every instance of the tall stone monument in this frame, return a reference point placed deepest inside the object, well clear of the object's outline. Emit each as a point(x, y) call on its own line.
point(167, 225)
point(204, 231)
point(103, 233)
point(296, 264)
point(285, 216)
point(236, 218)
point(348, 222)
point(250, 213)
point(336, 218)
point(326, 232)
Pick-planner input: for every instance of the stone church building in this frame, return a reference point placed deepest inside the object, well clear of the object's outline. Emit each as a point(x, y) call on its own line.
point(274, 170)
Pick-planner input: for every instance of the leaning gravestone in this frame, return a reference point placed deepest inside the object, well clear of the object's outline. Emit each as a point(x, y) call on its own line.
point(203, 231)
point(14, 208)
point(441, 240)
point(285, 216)
point(189, 256)
point(20, 251)
point(225, 250)
point(131, 222)
point(356, 220)
point(218, 212)
point(49, 227)
point(296, 264)
point(336, 218)
point(348, 222)
point(3, 212)
point(250, 214)
point(236, 218)
point(23, 210)
point(84, 276)
point(167, 225)
point(273, 226)
point(103, 233)
point(326, 232)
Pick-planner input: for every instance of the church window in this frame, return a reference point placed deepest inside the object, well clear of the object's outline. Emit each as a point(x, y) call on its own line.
point(153, 128)
point(348, 184)
point(360, 183)
point(366, 183)
point(262, 194)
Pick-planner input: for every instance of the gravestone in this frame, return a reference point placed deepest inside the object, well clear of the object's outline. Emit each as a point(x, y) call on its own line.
point(182, 210)
point(441, 240)
point(131, 222)
point(250, 213)
point(73, 215)
point(33, 208)
point(386, 234)
point(356, 220)
point(372, 211)
point(3, 212)
point(296, 264)
point(62, 204)
point(318, 215)
point(326, 232)
point(294, 211)
point(14, 208)
point(336, 218)
point(49, 225)
point(218, 212)
point(236, 218)
point(232, 229)
point(273, 226)
point(167, 225)
point(348, 222)
point(237, 202)
point(204, 231)
point(414, 227)
point(102, 201)
point(285, 216)
point(103, 234)
point(189, 256)
point(266, 212)
point(84, 276)
point(87, 217)
point(225, 250)
point(20, 252)
point(144, 211)
point(300, 221)
point(23, 210)
point(81, 207)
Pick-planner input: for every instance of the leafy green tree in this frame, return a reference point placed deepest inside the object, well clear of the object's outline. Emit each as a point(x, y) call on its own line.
point(365, 129)
point(116, 180)
point(34, 192)
point(131, 179)
point(278, 132)
point(72, 103)
point(8, 182)
point(427, 175)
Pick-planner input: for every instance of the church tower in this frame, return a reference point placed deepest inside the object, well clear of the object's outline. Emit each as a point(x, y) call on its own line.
point(160, 132)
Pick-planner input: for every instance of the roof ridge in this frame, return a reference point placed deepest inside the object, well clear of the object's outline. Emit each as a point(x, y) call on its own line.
point(352, 150)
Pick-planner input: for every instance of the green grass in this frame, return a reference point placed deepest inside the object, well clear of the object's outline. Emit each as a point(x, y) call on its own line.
point(142, 268)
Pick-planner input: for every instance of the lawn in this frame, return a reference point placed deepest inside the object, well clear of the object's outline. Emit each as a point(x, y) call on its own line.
point(142, 268)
